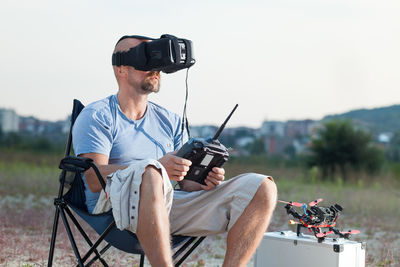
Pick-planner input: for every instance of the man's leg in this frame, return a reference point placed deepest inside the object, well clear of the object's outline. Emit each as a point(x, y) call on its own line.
point(246, 233)
point(153, 223)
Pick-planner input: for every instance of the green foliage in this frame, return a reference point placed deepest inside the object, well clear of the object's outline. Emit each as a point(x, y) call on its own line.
point(393, 151)
point(339, 146)
point(290, 151)
point(227, 140)
point(24, 178)
point(257, 147)
point(394, 168)
point(23, 142)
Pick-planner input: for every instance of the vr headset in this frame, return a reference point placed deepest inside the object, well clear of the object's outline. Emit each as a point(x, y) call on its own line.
point(167, 54)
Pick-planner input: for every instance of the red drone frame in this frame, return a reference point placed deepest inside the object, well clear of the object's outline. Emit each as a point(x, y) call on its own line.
point(320, 221)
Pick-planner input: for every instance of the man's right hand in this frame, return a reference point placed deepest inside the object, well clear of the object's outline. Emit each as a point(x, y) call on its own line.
point(175, 166)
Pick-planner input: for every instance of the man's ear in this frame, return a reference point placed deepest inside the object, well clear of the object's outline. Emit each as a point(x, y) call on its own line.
point(121, 71)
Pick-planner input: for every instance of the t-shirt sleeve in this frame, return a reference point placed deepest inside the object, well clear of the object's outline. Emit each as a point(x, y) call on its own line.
point(92, 133)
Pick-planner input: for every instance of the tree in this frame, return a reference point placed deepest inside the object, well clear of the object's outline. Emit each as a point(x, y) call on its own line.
point(13, 140)
point(393, 151)
point(339, 145)
point(257, 147)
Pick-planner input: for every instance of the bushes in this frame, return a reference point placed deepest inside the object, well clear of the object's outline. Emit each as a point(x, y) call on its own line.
point(340, 146)
point(33, 143)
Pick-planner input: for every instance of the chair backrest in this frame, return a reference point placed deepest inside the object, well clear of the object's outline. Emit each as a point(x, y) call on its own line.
point(75, 194)
point(76, 110)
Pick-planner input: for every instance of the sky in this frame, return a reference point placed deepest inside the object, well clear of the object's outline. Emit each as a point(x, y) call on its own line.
point(279, 60)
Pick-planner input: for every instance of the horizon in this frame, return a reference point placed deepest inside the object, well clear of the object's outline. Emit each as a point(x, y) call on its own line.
point(228, 124)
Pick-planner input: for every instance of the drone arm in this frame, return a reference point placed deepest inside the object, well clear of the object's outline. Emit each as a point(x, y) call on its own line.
point(293, 212)
point(336, 231)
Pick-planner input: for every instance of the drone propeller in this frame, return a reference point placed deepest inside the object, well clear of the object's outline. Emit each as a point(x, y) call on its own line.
point(315, 202)
point(350, 232)
point(320, 235)
point(296, 204)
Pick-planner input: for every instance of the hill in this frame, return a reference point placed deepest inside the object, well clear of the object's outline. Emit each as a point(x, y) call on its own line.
point(377, 120)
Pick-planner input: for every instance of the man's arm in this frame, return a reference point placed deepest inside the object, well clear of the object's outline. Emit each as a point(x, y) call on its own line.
point(176, 168)
point(105, 169)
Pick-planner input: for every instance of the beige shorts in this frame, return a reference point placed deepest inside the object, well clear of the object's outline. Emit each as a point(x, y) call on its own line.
point(213, 211)
point(199, 213)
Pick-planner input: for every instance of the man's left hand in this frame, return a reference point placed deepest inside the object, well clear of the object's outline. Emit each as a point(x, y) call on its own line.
point(214, 178)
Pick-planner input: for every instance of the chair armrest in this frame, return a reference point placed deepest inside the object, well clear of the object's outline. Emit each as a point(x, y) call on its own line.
point(81, 164)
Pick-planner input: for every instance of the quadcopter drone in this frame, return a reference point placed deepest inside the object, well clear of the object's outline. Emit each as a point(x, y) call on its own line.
point(316, 219)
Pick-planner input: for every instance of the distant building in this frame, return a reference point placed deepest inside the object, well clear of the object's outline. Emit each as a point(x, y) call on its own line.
point(275, 145)
point(301, 145)
point(385, 137)
point(295, 129)
point(244, 141)
point(30, 125)
point(9, 120)
point(204, 131)
point(273, 128)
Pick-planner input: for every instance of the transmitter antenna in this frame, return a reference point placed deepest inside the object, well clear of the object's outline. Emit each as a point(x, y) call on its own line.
point(223, 125)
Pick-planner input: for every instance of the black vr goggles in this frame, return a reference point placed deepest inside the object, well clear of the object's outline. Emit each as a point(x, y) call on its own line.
point(167, 54)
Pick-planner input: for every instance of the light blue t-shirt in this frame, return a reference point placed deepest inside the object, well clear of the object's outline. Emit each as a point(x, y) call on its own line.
point(101, 127)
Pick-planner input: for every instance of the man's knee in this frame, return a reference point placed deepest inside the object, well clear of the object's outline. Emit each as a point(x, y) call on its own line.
point(152, 181)
point(267, 193)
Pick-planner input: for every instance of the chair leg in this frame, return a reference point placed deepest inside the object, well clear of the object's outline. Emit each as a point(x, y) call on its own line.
point(194, 246)
point(183, 248)
point(53, 237)
point(99, 258)
point(142, 260)
point(71, 238)
point(99, 240)
point(85, 236)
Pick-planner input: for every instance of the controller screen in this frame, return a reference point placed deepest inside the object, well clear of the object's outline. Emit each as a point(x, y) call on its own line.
point(206, 160)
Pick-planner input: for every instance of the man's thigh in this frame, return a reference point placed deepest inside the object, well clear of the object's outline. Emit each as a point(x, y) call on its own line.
point(214, 211)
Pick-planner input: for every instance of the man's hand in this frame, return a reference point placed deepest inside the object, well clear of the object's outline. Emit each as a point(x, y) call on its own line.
point(214, 178)
point(175, 166)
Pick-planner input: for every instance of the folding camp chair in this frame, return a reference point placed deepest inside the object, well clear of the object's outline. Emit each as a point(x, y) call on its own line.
point(104, 224)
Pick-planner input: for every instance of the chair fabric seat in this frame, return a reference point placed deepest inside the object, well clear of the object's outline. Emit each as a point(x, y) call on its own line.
point(123, 240)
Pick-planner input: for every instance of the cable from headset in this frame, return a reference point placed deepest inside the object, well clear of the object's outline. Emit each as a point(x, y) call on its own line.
point(185, 122)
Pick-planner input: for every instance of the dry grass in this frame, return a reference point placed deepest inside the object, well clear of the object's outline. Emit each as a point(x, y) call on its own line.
point(27, 187)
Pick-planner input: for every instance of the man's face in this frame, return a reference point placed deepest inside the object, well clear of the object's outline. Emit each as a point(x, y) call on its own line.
point(147, 81)
point(151, 82)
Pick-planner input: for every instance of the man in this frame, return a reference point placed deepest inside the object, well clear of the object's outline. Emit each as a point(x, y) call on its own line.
point(124, 129)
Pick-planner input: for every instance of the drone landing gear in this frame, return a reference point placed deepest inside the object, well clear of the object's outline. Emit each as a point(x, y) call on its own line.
point(298, 232)
point(298, 229)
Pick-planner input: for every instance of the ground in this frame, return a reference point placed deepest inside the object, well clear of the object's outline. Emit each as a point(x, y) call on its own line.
point(25, 230)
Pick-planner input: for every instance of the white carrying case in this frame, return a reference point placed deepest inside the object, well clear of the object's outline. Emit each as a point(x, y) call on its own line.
point(286, 249)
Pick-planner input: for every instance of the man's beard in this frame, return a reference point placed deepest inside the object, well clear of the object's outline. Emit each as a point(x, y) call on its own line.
point(150, 86)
